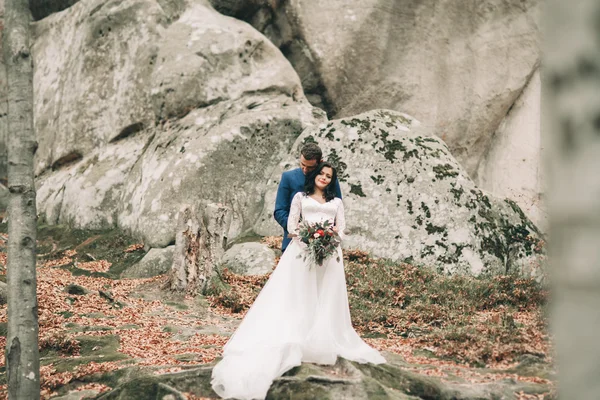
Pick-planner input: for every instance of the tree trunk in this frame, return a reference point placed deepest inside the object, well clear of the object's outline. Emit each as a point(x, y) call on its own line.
point(571, 127)
point(199, 246)
point(3, 112)
point(22, 355)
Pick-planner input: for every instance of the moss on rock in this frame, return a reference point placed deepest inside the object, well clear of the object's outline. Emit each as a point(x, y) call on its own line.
point(409, 188)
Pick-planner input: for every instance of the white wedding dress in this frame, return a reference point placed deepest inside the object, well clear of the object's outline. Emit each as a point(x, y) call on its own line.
point(301, 315)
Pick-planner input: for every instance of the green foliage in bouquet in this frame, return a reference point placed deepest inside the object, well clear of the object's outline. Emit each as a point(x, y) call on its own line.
point(321, 241)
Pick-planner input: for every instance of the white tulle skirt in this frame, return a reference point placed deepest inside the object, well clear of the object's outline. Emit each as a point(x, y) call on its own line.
point(301, 315)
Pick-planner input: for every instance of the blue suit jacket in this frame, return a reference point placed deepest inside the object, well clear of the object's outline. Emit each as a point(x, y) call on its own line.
point(291, 183)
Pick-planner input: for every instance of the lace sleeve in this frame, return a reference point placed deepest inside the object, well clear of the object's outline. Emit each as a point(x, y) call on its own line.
point(294, 216)
point(340, 219)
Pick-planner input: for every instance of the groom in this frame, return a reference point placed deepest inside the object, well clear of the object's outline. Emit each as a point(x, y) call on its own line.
point(292, 182)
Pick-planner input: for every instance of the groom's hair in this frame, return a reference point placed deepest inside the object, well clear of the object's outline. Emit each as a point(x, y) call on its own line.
point(311, 151)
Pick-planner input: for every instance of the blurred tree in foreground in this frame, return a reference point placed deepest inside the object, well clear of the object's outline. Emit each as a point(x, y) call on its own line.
point(571, 127)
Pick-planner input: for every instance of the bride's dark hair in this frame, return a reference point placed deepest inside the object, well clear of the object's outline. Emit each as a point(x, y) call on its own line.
point(309, 183)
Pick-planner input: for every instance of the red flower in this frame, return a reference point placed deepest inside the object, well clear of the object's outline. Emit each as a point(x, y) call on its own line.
point(321, 239)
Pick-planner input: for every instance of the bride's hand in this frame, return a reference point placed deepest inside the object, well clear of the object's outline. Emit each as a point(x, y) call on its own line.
point(292, 235)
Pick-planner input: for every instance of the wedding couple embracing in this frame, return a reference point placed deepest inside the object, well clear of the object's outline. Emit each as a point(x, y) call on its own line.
point(302, 313)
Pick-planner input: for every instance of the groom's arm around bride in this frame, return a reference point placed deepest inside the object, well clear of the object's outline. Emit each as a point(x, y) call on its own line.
point(292, 182)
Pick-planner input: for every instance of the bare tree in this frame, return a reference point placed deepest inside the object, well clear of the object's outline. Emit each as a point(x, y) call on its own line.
point(22, 355)
point(571, 126)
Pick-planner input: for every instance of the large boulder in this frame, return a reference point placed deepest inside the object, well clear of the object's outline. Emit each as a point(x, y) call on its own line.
point(92, 76)
point(407, 198)
point(249, 258)
point(454, 65)
point(153, 107)
point(155, 262)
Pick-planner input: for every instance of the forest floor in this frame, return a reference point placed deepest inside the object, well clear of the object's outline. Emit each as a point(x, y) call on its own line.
point(94, 324)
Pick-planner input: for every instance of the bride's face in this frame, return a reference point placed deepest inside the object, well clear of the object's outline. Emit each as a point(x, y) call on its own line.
point(324, 178)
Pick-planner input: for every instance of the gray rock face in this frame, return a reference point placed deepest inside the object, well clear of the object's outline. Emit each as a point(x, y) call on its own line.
point(406, 197)
point(93, 69)
point(155, 262)
point(396, 380)
point(456, 66)
point(513, 165)
point(194, 106)
point(249, 259)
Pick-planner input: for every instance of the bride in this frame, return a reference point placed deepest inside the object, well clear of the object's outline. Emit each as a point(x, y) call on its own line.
point(301, 314)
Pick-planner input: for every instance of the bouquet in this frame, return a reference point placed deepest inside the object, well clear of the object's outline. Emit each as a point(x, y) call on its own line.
point(321, 241)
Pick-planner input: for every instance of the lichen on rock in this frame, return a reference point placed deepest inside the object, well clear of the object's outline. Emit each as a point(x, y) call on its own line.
point(406, 197)
point(200, 107)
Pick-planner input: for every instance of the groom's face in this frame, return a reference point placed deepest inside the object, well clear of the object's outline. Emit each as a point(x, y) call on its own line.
point(307, 165)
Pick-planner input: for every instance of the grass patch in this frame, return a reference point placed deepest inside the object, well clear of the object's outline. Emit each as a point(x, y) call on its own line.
point(474, 320)
point(97, 349)
point(53, 241)
point(90, 245)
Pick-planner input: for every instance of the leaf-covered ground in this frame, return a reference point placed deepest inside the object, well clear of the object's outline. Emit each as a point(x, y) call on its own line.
point(91, 322)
